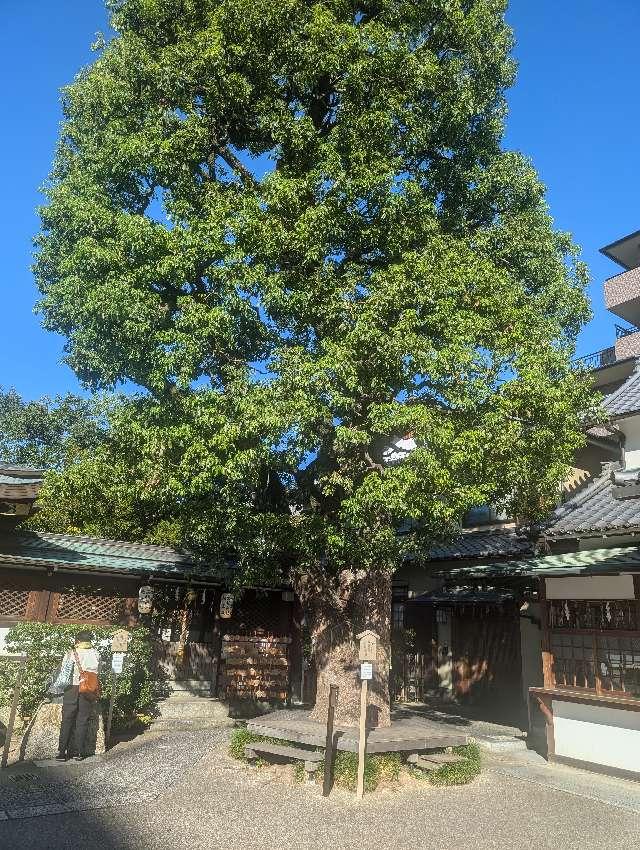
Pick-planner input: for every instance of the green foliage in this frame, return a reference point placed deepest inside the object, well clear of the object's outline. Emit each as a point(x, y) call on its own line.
point(239, 739)
point(296, 230)
point(49, 433)
point(378, 767)
point(45, 644)
point(459, 773)
point(383, 767)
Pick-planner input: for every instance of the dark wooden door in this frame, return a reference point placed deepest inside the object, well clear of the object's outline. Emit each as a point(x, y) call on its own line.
point(199, 661)
point(487, 664)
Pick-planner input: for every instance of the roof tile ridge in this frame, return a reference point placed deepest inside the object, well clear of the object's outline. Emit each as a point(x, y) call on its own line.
point(80, 538)
point(598, 483)
point(624, 387)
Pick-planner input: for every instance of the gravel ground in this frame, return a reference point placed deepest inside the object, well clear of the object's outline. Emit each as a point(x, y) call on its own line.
point(217, 803)
point(133, 772)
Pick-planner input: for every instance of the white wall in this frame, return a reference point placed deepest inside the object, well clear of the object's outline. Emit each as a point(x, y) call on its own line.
point(530, 649)
point(598, 734)
point(445, 656)
point(631, 429)
point(590, 587)
point(3, 634)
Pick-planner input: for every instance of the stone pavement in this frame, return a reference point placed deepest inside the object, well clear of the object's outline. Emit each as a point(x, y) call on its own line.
point(191, 794)
point(126, 774)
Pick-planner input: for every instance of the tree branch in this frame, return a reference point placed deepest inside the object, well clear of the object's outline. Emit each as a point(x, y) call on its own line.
point(235, 165)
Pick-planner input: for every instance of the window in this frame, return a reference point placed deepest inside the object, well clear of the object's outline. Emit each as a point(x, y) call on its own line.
point(620, 615)
point(574, 665)
point(13, 602)
point(596, 645)
point(483, 515)
point(400, 594)
point(79, 605)
point(398, 615)
point(619, 664)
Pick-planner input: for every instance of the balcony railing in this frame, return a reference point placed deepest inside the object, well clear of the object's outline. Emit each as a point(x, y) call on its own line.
point(606, 357)
point(622, 331)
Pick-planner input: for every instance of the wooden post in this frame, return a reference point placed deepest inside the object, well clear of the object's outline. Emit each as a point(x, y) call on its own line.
point(368, 654)
point(14, 707)
point(362, 740)
point(329, 748)
point(107, 731)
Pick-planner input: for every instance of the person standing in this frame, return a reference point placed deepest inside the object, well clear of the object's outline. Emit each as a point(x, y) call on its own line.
point(77, 707)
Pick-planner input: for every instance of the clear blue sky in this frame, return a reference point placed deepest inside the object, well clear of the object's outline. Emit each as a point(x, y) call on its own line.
point(573, 111)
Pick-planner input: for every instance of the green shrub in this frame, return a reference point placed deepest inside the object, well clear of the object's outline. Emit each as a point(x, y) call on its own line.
point(46, 643)
point(239, 739)
point(377, 768)
point(383, 767)
point(459, 773)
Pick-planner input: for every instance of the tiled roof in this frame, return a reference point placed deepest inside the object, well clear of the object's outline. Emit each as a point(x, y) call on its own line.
point(601, 432)
point(595, 509)
point(626, 399)
point(483, 544)
point(36, 548)
point(19, 483)
point(589, 561)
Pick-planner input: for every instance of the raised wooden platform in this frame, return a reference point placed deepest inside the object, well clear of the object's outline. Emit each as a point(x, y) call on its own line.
point(404, 735)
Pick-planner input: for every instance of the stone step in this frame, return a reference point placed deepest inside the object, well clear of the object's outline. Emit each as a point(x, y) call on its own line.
point(185, 725)
point(442, 758)
point(500, 743)
point(185, 707)
point(432, 761)
point(194, 686)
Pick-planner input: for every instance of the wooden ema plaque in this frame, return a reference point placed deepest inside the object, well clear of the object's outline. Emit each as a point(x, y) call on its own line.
point(256, 666)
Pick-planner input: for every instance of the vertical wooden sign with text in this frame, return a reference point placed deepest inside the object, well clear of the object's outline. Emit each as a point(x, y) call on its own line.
point(368, 654)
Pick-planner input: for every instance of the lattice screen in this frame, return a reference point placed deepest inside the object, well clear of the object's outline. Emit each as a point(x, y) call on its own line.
point(258, 614)
point(85, 605)
point(13, 602)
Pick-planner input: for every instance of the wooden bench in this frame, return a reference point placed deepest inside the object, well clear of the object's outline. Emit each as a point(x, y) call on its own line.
point(432, 761)
point(310, 758)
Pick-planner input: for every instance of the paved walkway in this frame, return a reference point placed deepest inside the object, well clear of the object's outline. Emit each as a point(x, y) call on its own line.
point(126, 775)
point(184, 791)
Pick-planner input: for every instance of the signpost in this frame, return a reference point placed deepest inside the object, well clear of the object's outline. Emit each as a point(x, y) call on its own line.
point(119, 648)
point(22, 661)
point(368, 653)
point(329, 744)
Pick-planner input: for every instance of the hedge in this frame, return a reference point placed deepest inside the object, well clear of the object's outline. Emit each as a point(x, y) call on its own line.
point(46, 643)
point(378, 767)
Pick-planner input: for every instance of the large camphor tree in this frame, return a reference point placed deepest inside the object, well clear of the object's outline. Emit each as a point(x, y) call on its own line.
point(292, 227)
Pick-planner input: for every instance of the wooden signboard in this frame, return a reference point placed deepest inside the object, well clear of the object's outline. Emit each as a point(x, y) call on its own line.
point(368, 651)
point(368, 648)
point(120, 641)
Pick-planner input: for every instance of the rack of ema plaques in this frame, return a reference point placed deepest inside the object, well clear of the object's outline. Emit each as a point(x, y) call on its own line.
point(591, 666)
point(256, 667)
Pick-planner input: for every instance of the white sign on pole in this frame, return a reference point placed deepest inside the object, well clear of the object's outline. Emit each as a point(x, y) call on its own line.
point(366, 670)
point(165, 634)
point(117, 662)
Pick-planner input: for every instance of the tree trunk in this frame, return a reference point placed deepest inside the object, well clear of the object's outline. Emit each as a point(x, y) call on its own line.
point(336, 610)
